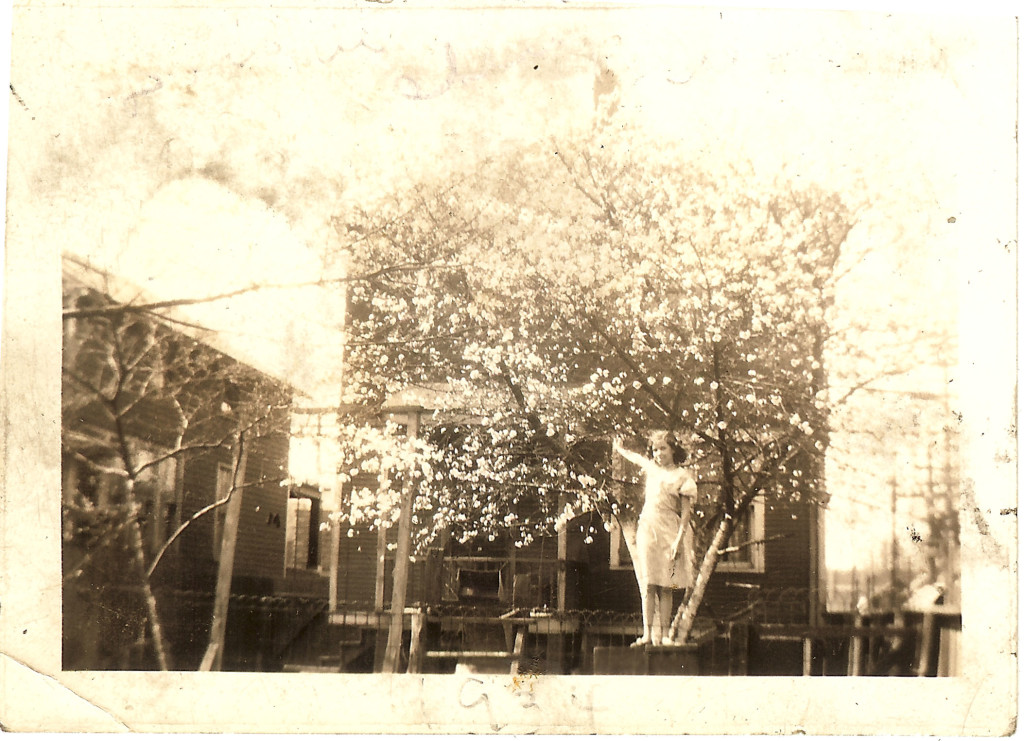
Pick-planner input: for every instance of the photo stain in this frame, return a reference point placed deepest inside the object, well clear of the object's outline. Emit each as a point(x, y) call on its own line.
point(17, 97)
point(523, 682)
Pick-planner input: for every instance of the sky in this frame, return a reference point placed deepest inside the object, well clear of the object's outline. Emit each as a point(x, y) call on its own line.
point(197, 150)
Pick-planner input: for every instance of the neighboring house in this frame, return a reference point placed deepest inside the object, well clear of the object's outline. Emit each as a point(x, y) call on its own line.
point(571, 592)
point(141, 387)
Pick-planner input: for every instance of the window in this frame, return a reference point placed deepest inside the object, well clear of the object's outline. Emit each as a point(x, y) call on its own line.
point(302, 532)
point(749, 555)
point(450, 582)
point(473, 581)
point(155, 490)
point(479, 584)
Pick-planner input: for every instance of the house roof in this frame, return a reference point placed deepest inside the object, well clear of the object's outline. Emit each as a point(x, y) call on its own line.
point(79, 272)
point(195, 238)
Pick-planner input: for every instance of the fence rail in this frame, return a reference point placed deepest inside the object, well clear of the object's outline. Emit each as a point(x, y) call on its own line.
point(281, 632)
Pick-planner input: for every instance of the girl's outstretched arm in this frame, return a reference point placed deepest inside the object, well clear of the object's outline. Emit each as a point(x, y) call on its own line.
point(630, 456)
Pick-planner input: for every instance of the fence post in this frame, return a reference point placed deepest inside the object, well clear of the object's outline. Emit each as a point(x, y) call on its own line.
point(416, 643)
point(856, 648)
point(739, 649)
point(924, 659)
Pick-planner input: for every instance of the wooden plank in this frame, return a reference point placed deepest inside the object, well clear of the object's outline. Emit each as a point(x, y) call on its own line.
point(468, 655)
point(501, 560)
point(358, 619)
point(613, 630)
point(834, 631)
point(517, 650)
point(452, 620)
point(416, 643)
point(311, 668)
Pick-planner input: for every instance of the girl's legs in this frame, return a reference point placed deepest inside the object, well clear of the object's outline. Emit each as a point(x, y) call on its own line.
point(648, 599)
point(664, 613)
point(657, 627)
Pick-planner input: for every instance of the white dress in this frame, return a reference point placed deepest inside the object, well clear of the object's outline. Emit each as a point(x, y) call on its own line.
point(668, 494)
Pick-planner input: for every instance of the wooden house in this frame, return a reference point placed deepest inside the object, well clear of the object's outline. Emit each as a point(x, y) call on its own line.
point(546, 606)
point(143, 395)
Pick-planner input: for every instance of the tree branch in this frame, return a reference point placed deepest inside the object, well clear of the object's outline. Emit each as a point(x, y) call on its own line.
point(115, 309)
point(759, 541)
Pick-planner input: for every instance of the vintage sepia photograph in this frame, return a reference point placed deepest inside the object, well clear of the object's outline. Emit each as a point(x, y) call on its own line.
point(509, 368)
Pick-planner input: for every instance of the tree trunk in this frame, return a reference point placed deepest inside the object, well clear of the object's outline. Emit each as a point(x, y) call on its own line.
point(401, 579)
point(683, 621)
point(138, 550)
point(215, 647)
point(682, 624)
point(135, 533)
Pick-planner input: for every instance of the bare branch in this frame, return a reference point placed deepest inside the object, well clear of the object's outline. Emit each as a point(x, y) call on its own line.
point(235, 486)
point(98, 468)
point(213, 445)
point(759, 541)
point(181, 528)
point(115, 309)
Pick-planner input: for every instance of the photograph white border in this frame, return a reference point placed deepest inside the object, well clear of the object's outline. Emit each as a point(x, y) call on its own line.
point(36, 695)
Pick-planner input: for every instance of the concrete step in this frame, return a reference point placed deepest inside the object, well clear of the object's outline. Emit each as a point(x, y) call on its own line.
point(659, 660)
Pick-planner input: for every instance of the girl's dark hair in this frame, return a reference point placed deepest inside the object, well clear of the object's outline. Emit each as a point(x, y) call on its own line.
point(679, 453)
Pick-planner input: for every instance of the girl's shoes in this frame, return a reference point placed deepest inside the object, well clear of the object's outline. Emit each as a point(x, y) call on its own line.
point(645, 641)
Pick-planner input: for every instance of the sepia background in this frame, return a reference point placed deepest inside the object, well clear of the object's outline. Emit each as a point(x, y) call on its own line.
point(183, 153)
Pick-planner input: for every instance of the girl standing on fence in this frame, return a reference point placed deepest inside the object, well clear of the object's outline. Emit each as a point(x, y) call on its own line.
point(664, 543)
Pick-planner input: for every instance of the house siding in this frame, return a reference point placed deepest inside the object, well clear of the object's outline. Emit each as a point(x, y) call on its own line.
point(357, 552)
point(357, 567)
point(782, 587)
point(262, 525)
point(786, 575)
point(781, 590)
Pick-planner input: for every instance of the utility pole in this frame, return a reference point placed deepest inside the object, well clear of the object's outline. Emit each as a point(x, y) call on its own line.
point(332, 586)
point(214, 655)
point(893, 549)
